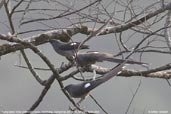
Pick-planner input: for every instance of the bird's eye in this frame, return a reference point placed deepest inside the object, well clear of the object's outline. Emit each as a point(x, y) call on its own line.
point(87, 85)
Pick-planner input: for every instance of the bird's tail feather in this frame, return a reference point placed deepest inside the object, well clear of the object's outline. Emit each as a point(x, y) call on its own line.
point(115, 71)
point(128, 61)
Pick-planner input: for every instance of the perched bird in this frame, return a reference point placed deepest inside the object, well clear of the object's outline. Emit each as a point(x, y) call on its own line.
point(91, 57)
point(67, 49)
point(70, 51)
point(80, 90)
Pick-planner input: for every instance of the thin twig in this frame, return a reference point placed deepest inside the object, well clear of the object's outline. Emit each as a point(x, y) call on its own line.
point(47, 87)
point(133, 97)
point(61, 15)
point(47, 61)
point(36, 68)
point(98, 104)
point(167, 35)
point(36, 76)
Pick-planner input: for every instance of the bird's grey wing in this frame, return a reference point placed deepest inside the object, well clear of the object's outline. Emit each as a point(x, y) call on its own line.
point(103, 56)
point(116, 60)
point(92, 84)
point(80, 90)
point(69, 46)
point(99, 56)
point(85, 58)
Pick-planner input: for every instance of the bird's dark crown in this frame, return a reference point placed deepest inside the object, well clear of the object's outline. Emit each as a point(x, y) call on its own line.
point(67, 87)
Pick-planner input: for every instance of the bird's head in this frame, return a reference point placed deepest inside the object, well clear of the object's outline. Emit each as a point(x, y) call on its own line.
point(77, 91)
point(53, 41)
point(68, 88)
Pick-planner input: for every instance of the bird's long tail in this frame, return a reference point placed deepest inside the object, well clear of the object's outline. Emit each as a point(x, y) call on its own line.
point(115, 71)
point(112, 59)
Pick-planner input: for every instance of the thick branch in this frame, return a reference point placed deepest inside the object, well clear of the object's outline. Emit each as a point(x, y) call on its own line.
point(63, 35)
point(152, 73)
point(160, 74)
point(48, 85)
point(66, 34)
point(45, 59)
point(120, 28)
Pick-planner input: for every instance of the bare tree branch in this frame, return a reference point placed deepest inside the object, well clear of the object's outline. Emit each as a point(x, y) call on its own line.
point(2, 3)
point(47, 87)
point(159, 72)
point(124, 27)
point(65, 34)
point(36, 76)
point(46, 60)
point(93, 18)
point(136, 91)
point(98, 104)
point(61, 15)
